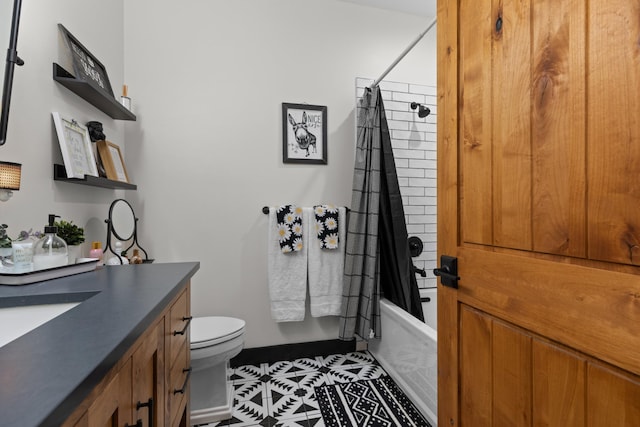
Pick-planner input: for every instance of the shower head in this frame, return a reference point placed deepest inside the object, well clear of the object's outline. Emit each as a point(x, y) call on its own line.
point(422, 110)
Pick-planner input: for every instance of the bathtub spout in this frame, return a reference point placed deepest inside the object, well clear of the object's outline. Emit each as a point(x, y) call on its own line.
point(419, 271)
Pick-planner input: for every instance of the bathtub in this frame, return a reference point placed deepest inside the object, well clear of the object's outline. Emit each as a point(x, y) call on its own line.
point(408, 352)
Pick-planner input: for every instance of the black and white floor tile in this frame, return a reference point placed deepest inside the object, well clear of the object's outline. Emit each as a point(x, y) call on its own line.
point(281, 394)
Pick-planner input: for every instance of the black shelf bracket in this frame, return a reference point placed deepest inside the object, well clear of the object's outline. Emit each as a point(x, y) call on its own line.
point(90, 93)
point(60, 174)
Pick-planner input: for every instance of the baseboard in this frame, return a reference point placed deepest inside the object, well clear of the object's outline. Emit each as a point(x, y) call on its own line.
point(362, 345)
point(257, 355)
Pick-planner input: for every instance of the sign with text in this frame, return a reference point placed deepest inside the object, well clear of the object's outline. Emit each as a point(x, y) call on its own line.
point(83, 65)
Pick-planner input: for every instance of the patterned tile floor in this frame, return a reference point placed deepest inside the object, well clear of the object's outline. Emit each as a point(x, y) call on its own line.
point(281, 393)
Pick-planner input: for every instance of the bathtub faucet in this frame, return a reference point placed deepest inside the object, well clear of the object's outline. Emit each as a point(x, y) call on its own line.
point(419, 271)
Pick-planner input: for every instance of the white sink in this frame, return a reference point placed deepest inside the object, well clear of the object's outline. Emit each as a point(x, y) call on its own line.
point(17, 321)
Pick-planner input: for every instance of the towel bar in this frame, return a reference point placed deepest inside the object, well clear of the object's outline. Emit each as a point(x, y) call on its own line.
point(265, 210)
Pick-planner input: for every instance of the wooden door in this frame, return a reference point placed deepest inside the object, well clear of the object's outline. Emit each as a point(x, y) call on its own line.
point(539, 199)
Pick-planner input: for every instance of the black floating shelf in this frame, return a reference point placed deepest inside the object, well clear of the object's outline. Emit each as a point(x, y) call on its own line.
point(60, 174)
point(92, 94)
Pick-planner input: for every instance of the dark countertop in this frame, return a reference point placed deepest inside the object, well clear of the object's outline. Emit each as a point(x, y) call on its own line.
point(46, 373)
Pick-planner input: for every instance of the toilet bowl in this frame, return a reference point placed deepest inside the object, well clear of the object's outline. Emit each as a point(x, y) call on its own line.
point(214, 341)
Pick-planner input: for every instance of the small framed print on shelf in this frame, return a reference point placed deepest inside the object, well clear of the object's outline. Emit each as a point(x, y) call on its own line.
point(112, 161)
point(75, 146)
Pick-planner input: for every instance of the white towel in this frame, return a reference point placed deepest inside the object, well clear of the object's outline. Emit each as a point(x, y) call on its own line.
point(326, 266)
point(287, 275)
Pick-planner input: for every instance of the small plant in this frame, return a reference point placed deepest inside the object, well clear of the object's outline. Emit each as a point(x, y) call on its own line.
point(5, 240)
point(24, 235)
point(69, 232)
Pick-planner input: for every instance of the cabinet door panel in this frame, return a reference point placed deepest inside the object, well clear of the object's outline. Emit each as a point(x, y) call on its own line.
point(148, 377)
point(113, 407)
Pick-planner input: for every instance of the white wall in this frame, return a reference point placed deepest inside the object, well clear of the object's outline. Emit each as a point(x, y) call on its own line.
point(207, 79)
point(32, 139)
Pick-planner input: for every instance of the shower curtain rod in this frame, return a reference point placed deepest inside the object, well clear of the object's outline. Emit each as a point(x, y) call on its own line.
point(404, 53)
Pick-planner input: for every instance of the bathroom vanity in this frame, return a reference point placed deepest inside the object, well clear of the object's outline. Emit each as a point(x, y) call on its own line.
point(119, 357)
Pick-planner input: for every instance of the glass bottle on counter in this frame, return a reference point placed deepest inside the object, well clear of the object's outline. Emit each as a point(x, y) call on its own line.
point(136, 258)
point(50, 251)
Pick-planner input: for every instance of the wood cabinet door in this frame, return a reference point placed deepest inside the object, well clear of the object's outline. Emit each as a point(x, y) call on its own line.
point(113, 407)
point(538, 159)
point(148, 378)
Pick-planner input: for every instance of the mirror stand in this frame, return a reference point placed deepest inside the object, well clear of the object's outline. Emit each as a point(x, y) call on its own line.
point(123, 212)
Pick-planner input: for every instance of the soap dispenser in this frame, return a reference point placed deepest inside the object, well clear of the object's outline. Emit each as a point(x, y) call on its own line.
point(50, 251)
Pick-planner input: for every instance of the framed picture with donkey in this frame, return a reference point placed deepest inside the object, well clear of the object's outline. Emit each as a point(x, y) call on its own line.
point(304, 133)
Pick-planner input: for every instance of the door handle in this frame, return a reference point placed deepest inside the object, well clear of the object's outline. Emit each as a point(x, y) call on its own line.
point(182, 332)
point(448, 271)
point(184, 385)
point(147, 404)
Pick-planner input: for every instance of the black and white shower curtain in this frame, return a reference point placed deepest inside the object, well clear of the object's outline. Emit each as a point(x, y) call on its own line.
point(377, 256)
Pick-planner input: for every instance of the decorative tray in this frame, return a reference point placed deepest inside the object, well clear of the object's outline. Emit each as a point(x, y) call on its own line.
point(7, 277)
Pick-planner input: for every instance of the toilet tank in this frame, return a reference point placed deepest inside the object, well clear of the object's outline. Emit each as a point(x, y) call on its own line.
point(429, 299)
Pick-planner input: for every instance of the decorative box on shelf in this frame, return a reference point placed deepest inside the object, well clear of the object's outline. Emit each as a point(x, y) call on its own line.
point(83, 74)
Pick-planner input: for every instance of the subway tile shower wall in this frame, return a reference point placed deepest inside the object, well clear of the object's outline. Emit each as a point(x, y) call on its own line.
point(414, 148)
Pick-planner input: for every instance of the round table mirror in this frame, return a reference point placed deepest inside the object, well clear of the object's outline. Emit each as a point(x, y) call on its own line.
point(123, 220)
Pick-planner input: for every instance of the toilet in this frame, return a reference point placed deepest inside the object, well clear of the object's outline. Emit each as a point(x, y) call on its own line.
point(214, 341)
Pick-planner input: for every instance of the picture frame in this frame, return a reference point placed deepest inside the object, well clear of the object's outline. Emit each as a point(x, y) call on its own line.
point(75, 146)
point(304, 133)
point(112, 160)
point(83, 64)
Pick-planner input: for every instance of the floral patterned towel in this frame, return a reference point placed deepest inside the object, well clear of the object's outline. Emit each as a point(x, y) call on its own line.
point(289, 223)
point(327, 225)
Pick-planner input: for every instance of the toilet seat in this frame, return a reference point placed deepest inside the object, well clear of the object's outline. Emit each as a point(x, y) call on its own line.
point(213, 330)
